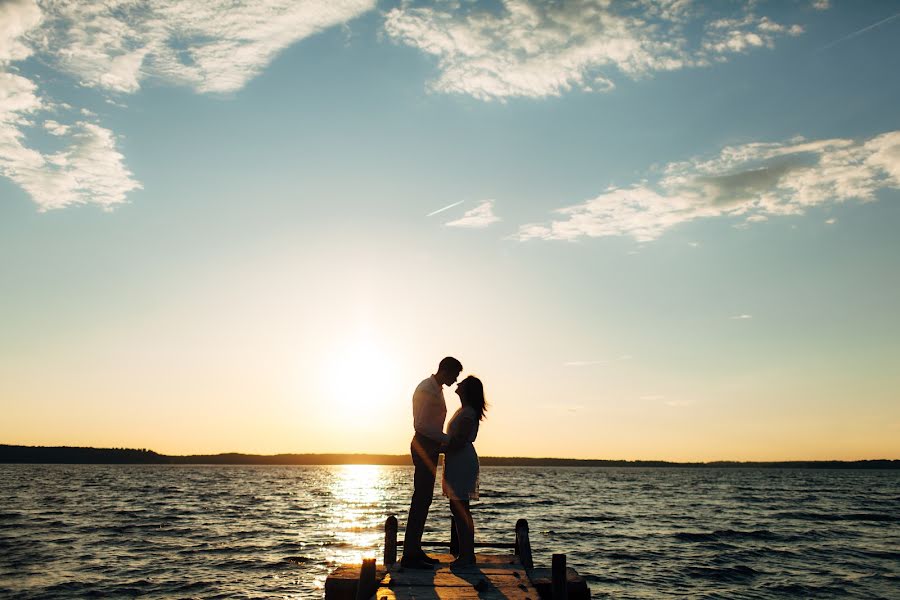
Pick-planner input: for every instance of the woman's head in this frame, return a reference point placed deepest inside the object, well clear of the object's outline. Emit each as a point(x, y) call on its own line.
point(471, 393)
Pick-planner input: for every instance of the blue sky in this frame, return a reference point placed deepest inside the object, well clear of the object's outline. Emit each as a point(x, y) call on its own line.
point(669, 228)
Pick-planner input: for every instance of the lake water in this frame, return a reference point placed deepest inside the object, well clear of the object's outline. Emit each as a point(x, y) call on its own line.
point(75, 531)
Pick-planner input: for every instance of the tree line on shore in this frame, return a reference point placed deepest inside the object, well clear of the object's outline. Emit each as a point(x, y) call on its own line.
point(143, 456)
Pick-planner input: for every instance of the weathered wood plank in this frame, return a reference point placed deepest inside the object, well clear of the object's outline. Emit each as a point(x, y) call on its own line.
point(484, 559)
point(495, 576)
point(447, 579)
point(454, 593)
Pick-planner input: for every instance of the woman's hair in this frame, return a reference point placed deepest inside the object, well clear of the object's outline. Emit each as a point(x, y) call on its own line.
point(473, 395)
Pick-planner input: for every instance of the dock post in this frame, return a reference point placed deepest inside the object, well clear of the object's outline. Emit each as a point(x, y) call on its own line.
point(523, 544)
point(558, 574)
point(367, 584)
point(454, 537)
point(390, 541)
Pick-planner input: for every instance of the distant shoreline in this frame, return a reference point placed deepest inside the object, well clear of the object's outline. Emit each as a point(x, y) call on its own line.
point(10, 454)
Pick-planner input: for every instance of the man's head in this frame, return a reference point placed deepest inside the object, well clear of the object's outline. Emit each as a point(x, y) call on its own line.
point(448, 371)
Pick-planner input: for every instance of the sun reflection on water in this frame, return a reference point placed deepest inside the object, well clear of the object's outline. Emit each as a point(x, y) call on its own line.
point(358, 495)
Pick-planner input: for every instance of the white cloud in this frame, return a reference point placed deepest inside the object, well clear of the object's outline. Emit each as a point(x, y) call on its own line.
point(16, 18)
point(653, 397)
point(478, 217)
point(821, 4)
point(55, 127)
point(584, 363)
point(743, 317)
point(830, 221)
point(736, 35)
point(755, 181)
point(529, 48)
point(117, 45)
point(211, 45)
point(90, 170)
point(18, 99)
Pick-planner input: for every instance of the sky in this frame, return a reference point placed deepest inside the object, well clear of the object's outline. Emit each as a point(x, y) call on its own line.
point(655, 230)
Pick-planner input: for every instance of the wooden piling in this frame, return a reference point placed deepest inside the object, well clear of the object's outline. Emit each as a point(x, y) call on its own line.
point(558, 574)
point(390, 541)
point(367, 582)
point(523, 544)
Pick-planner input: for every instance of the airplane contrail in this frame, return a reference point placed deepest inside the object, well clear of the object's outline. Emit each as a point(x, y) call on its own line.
point(860, 32)
point(448, 207)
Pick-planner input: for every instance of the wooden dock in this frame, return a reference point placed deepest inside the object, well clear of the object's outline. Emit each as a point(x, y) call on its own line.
point(495, 576)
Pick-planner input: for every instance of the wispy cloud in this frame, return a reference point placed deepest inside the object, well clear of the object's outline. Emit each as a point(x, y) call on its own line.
point(116, 46)
point(479, 217)
point(678, 403)
point(830, 221)
point(87, 168)
point(440, 210)
point(16, 18)
point(55, 128)
point(859, 32)
point(529, 48)
point(585, 363)
point(653, 397)
point(753, 182)
point(742, 317)
point(556, 408)
point(210, 45)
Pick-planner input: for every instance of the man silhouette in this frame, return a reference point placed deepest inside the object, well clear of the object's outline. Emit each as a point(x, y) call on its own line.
point(429, 412)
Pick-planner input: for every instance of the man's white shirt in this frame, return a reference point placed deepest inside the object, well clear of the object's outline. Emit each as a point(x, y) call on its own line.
point(430, 410)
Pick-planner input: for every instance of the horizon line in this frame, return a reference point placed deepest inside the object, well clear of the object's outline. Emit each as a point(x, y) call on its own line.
point(403, 457)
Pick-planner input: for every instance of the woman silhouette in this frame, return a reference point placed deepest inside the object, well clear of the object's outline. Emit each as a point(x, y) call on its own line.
point(461, 469)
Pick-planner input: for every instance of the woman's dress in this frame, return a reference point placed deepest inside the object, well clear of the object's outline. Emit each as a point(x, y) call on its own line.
point(461, 469)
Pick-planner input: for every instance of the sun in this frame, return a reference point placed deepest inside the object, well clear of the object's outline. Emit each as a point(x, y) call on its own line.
point(359, 376)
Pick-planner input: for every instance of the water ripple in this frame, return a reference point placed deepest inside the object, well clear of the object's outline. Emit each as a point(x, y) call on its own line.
point(271, 531)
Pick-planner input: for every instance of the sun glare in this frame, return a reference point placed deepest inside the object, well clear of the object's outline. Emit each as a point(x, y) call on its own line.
point(360, 373)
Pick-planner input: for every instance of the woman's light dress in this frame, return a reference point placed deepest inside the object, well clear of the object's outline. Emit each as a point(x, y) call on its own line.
point(461, 469)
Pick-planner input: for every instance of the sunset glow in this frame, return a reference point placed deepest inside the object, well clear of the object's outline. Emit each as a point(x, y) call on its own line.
point(358, 376)
point(662, 230)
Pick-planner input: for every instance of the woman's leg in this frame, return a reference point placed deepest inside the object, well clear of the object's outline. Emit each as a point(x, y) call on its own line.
point(470, 531)
point(465, 529)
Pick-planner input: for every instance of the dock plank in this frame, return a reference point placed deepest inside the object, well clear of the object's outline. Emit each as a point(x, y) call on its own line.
point(495, 576)
point(454, 593)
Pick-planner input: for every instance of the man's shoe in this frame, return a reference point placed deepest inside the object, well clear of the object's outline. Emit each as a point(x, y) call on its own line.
point(416, 563)
point(421, 556)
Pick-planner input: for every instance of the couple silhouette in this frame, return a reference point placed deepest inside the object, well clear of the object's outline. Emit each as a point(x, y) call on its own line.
point(461, 469)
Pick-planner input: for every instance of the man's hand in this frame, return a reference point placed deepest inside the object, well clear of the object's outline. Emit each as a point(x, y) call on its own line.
point(453, 445)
